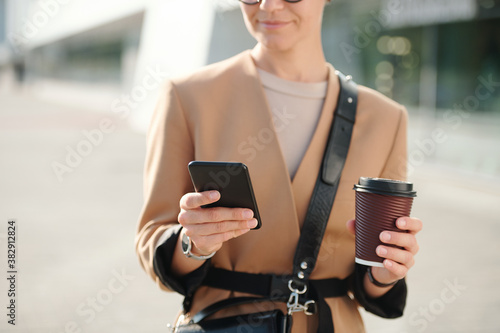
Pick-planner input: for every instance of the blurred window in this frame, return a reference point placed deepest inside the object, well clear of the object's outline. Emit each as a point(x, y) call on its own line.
point(83, 60)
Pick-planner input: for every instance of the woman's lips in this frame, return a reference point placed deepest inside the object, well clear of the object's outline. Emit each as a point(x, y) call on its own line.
point(273, 25)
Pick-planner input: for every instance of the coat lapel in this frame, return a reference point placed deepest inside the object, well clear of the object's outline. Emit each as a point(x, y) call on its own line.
point(257, 146)
point(282, 204)
point(297, 192)
point(307, 173)
point(270, 149)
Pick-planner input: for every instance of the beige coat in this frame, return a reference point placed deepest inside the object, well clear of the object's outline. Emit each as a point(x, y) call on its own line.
point(220, 113)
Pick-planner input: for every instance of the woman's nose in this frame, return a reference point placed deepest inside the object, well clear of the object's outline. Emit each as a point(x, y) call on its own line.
point(270, 5)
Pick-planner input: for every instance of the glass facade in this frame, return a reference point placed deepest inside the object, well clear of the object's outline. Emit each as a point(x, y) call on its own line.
point(439, 58)
point(97, 55)
point(435, 65)
point(469, 57)
point(87, 61)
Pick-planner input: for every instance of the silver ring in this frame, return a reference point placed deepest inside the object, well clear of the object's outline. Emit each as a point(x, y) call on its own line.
point(300, 292)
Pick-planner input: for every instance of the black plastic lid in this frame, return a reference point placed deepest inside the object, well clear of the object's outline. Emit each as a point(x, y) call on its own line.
point(385, 186)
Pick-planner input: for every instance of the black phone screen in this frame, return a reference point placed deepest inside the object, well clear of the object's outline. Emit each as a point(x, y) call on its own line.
point(231, 179)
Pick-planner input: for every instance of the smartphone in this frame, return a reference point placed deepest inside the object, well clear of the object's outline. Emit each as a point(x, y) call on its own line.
point(231, 179)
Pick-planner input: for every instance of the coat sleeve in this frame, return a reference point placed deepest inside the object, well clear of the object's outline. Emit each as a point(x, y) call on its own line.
point(389, 305)
point(392, 304)
point(166, 180)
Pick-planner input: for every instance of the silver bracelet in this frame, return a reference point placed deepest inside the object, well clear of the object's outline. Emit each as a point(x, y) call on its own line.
point(187, 246)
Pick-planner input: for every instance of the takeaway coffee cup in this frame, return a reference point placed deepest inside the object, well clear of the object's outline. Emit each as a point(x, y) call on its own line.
point(379, 203)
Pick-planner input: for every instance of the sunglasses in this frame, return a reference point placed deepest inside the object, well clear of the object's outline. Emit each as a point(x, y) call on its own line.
point(254, 2)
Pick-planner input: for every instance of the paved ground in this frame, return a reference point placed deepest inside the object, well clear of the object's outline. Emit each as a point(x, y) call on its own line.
point(75, 260)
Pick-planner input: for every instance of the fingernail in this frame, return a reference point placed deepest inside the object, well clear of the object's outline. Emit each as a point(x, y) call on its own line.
point(214, 195)
point(382, 251)
point(247, 214)
point(252, 223)
point(385, 236)
point(401, 223)
point(388, 263)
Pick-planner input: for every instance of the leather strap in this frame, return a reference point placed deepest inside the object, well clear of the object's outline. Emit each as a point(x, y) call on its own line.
point(327, 182)
point(345, 116)
point(274, 287)
point(318, 212)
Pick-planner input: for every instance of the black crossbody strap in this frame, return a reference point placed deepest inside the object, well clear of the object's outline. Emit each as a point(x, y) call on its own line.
point(327, 182)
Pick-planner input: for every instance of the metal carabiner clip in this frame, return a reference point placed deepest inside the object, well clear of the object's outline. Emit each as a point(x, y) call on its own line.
point(294, 290)
point(293, 304)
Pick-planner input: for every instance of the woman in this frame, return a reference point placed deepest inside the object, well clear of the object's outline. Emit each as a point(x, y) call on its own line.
point(270, 108)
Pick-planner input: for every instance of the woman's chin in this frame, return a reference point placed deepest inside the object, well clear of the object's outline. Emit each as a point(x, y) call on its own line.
point(275, 44)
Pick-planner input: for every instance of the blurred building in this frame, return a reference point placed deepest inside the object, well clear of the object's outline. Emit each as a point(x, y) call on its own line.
point(66, 49)
point(435, 53)
point(93, 52)
point(440, 58)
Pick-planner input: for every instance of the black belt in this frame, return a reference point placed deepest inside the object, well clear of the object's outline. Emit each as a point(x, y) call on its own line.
point(277, 288)
point(270, 285)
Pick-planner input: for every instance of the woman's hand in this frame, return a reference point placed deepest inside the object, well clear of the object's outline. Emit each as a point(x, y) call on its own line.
point(209, 228)
point(397, 262)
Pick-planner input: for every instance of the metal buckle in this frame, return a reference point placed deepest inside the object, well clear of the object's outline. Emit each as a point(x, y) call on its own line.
point(293, 304)
point(310, 305)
